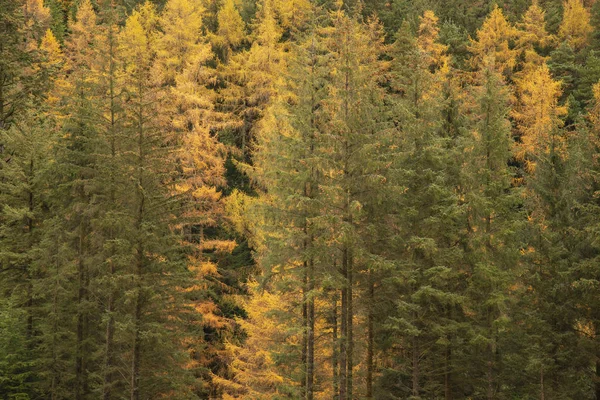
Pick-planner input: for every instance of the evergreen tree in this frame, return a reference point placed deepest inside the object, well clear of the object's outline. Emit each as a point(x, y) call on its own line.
point(491, 244)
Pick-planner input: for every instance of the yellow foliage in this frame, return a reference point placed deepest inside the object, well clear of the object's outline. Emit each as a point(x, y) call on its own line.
point(54, 61)
point(427, 40)
point(575, 26)
point(532, 34)
point(538, 115)
point(37, 20)
point(231, 25)
point(179, 44)
point(293, 13)
point(494, 43)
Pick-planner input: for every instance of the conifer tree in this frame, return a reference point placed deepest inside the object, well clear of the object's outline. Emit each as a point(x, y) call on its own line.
point(575, 27)
point(533, 38)
point(494, 39)
point(492, 247)
point(426, 203)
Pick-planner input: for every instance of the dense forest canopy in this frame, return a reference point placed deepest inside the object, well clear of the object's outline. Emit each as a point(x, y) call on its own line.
point(299, 199)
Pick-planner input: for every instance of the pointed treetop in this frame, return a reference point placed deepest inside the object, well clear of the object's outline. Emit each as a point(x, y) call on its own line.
point(539, 116)
point(575, 26)
point(231, 24)
point(493, 40)
point(428, 39)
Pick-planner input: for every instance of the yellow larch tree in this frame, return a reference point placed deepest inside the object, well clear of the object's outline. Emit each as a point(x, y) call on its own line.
point(533, 36)
point(539, 117)
point(427, 40)
point(494, 41)
point(37, 20)
point(182, 63)
point(253, 77)
point(257, 374)
point(575, 27)
point(180, 43)
point(231, 30)
point(292, 14)
point(54, 62)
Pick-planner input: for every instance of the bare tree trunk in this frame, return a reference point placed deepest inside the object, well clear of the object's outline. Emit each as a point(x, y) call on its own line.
point(370, 337)
point(310, 362)
point(304, 329)
point(335, 353)
point(349, 329)
point(344, 330)
point(81, 360)
point(448, 375)
point(490, 373)
point(416, 388)
point(542, 390)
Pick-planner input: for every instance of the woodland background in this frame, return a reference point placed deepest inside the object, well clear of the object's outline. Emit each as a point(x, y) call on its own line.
point(293, 199)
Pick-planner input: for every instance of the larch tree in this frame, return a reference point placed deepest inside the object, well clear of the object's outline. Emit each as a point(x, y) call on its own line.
point(575, 27)
point(494, 39)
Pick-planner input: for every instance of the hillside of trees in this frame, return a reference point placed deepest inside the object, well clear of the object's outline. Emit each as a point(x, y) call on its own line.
point(300, 199)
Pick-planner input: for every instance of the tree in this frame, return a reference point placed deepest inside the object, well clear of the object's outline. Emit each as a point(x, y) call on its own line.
point(575, 26)
point(230, 33)
point(538, 116)
point(425, 217)
point(491, 245)
point(533, 38)
point(494, 40)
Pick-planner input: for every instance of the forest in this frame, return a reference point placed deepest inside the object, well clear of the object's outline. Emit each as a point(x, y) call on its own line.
point(300, 199)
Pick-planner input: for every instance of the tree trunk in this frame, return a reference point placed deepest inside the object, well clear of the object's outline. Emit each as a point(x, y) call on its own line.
point(542, 390)
point(335, 355)
point(370, 337)
point(81, 360)
point(344, 330)
point(490, 373)
point(310, 362)
point(349, 329)
point(416, 389)
point(304, 355)
point(448, 375)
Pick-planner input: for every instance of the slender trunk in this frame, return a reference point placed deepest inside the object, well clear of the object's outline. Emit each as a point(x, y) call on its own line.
point(53, 395)
point(447, 374)
point(416, 389)
point(81, 361)
point(310, 362)
point(490, 373)
point(304, 329)
point(344, 330)
point(135, 361)
point(349, 329)
point(108, 361)
point(542, 395)
point(370, 337)
point(335, 354)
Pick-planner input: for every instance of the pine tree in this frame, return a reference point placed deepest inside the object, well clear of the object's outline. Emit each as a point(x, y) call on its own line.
point(491, 246)
point(584, 276)
point(158, 257)
point(424, 276)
